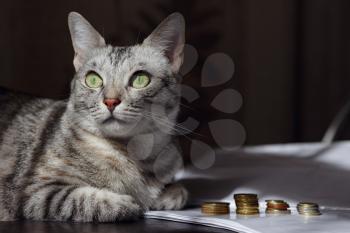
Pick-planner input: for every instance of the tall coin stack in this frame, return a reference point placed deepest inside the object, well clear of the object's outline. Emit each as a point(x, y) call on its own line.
point(277, 207)
point(247, 204)
point(308, 209)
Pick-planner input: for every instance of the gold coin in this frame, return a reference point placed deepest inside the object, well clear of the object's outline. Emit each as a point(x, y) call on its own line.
point(277, 211)
point(247, 213)
point(247, 209)
point(215, 211)
point(239, 204)
point(278, 206)
point(245, 195)
point(246, 201)
point(275, 201)
point(307, 204)
point(216, 203)
point(308, 209)
point(214, 208)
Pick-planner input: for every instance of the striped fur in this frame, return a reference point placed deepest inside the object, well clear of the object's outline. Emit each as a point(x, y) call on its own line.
point(73, 160)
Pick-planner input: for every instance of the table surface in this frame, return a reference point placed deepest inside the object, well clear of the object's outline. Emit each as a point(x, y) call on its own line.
point(140, 226)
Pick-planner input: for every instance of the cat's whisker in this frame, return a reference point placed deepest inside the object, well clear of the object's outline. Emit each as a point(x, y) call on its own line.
point(181, 129)
point(173, 126)
point(162, 118)
point(170, 127)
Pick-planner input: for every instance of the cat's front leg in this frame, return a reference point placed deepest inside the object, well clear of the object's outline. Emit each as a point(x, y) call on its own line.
point(173, 197)
point(81, 204)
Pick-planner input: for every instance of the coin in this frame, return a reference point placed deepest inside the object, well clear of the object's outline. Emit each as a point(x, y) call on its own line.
point(276, 212)
point(245, 196)
point(246, 203)
point(275, 201)
point(245, 212)
point(277, 207)
point(215, 208)
point(216, 203)
point(308, 209)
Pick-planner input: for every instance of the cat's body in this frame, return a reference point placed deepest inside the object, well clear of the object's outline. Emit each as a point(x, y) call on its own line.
point(83, 160)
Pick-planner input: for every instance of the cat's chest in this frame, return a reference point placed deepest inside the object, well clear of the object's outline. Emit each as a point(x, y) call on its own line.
point(116, 170)
point(121, 175)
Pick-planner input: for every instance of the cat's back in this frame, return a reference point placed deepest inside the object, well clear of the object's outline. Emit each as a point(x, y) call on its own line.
point(22, 119)
point(21, 112)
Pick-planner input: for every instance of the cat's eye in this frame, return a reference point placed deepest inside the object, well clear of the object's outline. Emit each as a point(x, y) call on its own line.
point(93, 80)
point(140, 80)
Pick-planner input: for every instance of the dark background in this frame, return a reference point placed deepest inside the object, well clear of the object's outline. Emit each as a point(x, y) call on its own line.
point(291, 57)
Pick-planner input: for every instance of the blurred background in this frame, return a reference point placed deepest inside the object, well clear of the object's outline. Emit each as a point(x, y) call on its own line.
point(292, 57)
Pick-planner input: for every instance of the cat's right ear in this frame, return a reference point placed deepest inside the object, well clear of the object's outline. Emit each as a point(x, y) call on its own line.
point(84, 38)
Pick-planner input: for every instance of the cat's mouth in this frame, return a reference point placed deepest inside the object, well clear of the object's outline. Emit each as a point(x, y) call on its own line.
point(112, 119)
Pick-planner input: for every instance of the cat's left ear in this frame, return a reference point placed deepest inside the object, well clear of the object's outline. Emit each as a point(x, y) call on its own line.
point(169, 37)
point(84, 38)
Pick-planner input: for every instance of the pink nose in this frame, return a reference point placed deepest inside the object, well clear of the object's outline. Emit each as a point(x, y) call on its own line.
point(111, 103)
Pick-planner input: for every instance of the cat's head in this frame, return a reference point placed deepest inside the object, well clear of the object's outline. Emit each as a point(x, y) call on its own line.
point(122, 91)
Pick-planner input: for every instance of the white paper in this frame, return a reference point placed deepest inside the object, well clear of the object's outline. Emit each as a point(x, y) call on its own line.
point(330, 221)
point(293, 172)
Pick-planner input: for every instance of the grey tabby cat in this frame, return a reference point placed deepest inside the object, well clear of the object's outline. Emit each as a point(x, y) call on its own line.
point(108, 152)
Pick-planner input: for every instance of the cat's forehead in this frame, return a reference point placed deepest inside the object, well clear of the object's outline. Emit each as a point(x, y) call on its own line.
point(119, 54)
point(130, 56)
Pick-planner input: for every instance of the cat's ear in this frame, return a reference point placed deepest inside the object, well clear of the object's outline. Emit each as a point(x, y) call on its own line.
point(169, 36)
point(84, 37)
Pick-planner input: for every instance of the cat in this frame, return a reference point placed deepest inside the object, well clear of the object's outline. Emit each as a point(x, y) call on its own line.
point(107, 153)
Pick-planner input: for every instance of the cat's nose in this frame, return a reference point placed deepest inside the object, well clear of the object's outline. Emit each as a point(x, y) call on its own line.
point(111, 103)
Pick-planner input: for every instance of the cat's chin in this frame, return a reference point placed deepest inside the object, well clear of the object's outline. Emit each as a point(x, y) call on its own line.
point(114, 127)
point(114, 120)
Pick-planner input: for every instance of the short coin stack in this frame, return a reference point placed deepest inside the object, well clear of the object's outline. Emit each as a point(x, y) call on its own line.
point(308, 209)
point(277, 207)
point(247, 204)
point(216, 208)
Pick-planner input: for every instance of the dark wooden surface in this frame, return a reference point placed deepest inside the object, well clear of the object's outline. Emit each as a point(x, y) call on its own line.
point(145, 225)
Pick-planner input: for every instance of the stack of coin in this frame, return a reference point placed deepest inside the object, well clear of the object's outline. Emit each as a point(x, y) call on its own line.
point(277, 207)
point(215, 208)
point(246, 203)
point(308, 209)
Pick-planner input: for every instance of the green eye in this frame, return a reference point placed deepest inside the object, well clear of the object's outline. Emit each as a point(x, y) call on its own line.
point(140, 80)
point(93, 80)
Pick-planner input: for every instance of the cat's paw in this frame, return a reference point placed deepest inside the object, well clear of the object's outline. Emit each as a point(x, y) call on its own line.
point(118, 208)
point(174, 197)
